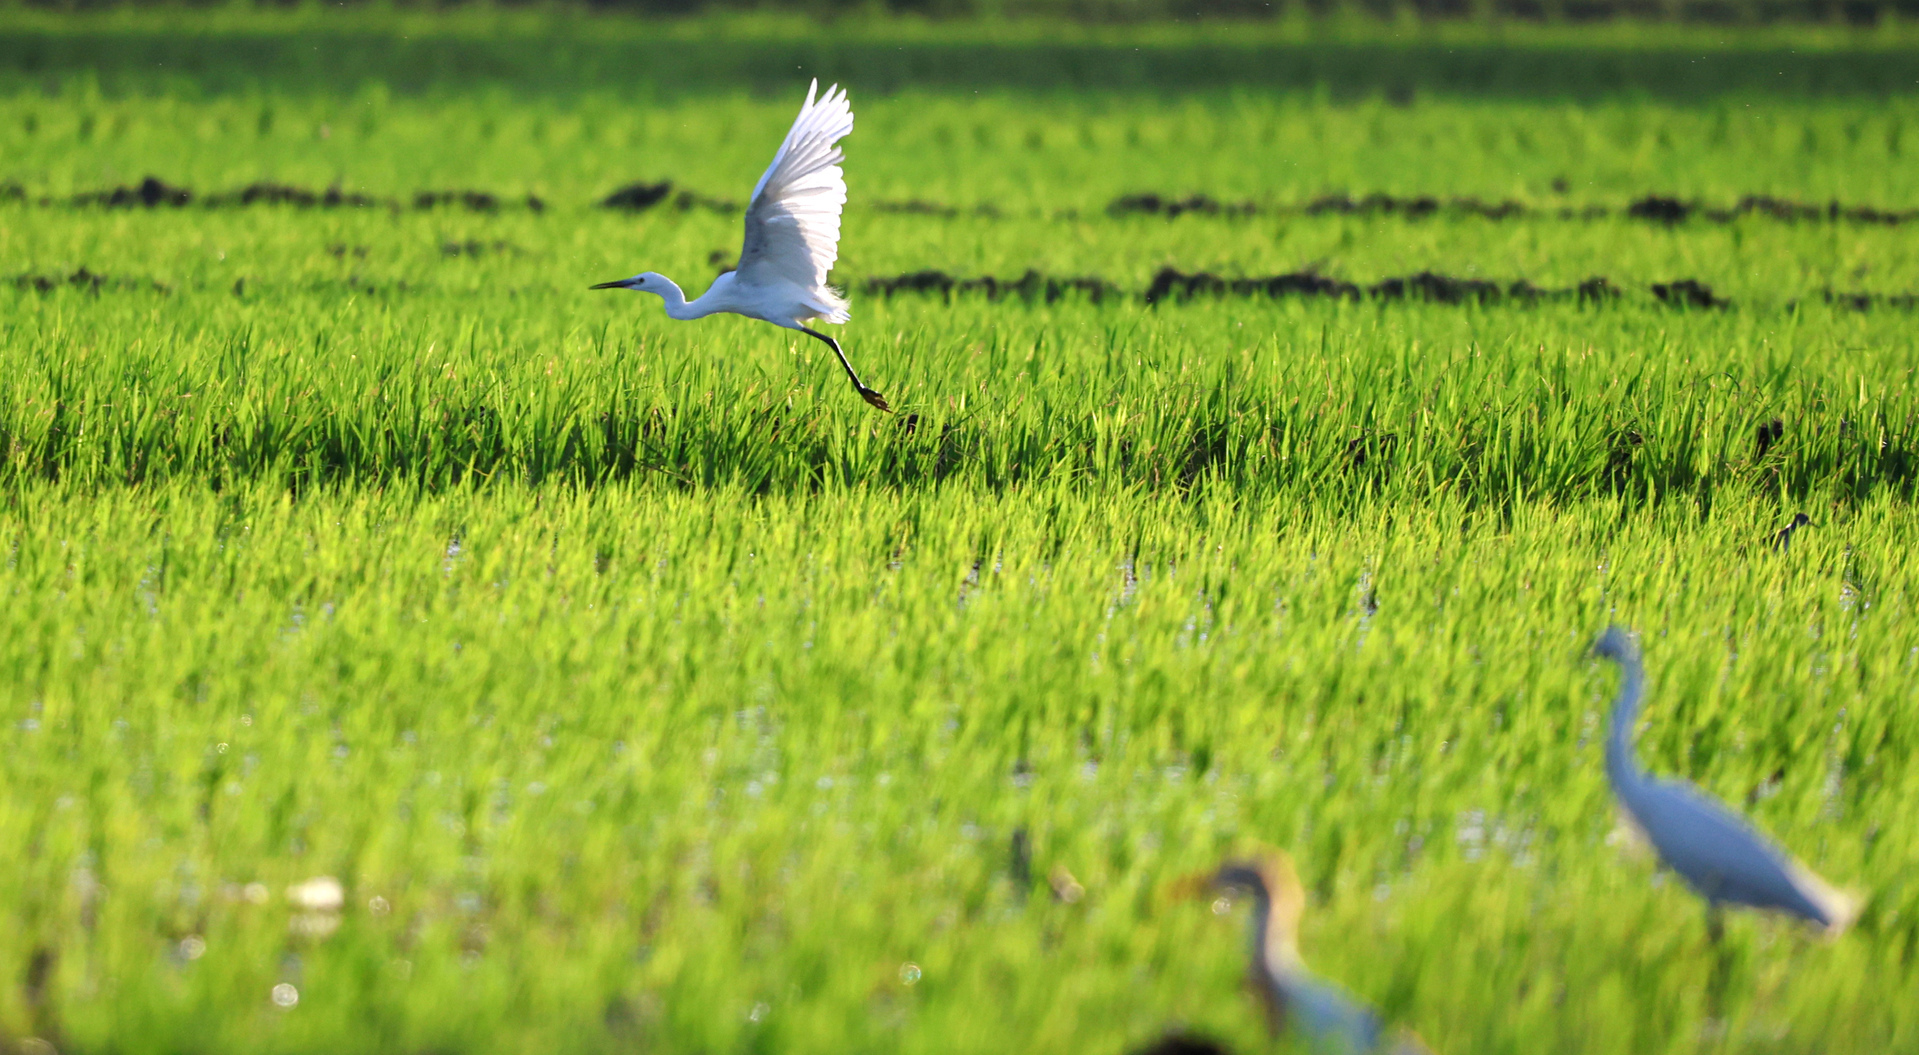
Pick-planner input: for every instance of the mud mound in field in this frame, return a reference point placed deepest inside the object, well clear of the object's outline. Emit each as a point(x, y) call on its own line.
point(1170, 282)
point(1425, 285)
point(269, 193)
point(639, 197)
point(1653, 208)
point(1416, 207)
point(1673, 211)
point(85, 279)
point(1688, 293)
point(473, 201)
point(1031, 286)
point(474, 247)
point(153, 192)
point(1169, 207)
point(149, 193)
point(1871, 301)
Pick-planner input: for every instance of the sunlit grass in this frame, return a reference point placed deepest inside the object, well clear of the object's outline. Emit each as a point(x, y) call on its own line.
point(629, 762)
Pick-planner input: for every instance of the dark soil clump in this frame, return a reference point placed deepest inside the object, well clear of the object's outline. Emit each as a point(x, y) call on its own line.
point(1655, 208)
point(637, 197)
point(916, 207)
point(472, 200)
point(1688, 293)
point(475, 247)
point(1174, 283)
point(1444, 289)
point(266, 193)
point(1426, 285)
point(1669, 211)
point(150, 193)
point(1416, 207)
point(1869, 301)
point(1031, 286)
point(1169, 207)
point(82, 278)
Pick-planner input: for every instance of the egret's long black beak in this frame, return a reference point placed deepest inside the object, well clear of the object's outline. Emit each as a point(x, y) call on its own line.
point(615, 284)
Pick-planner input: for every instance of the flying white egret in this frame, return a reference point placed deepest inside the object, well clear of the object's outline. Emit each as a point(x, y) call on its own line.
point(1331, 1020)
point(792, 238)
point(1721, 856)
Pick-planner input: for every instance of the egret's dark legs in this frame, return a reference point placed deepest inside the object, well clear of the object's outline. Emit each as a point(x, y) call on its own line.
point(1721, 961)
point(858, 386)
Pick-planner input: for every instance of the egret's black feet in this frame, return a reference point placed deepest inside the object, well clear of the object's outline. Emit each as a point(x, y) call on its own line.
point(859, 386)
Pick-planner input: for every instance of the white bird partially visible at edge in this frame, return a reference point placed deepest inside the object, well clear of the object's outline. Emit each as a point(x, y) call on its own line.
point(1327, 1018)
point(792, 238)
point(1717, 852)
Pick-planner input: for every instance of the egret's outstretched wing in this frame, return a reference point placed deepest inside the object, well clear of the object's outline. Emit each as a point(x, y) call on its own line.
point(793, 222)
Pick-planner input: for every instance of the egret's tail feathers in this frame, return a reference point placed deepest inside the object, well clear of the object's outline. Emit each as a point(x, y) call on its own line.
point(1840, 908)
point(831, 306)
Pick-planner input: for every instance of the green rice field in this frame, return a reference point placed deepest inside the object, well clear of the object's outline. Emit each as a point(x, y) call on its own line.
point(1336, 383)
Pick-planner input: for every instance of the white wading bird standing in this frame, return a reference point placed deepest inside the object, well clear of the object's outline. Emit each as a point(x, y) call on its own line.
point(1722, 857)
point(1330, 1020)
point(792, 238)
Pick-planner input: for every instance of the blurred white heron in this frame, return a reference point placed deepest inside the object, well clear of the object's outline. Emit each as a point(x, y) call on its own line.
point(792, 238)
point(1328, 1018)
point(1721, 856)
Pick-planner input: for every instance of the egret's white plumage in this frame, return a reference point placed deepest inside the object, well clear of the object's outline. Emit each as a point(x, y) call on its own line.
point(792, 237)
point(1718, 853)
point(1330, 1020)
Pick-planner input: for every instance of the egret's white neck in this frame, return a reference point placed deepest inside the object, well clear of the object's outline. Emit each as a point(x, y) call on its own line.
point(1274, 945)
point(675, 298)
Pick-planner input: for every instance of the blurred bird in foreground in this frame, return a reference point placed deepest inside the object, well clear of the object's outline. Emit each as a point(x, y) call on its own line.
point(792, 238)
point(1721, 856)
point(1184, 1044)
point(1331, 1020)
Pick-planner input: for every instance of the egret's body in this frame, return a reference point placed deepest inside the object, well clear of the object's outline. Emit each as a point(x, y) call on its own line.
point(792, 238)
point(1331, 1020)
point(1718, 853)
